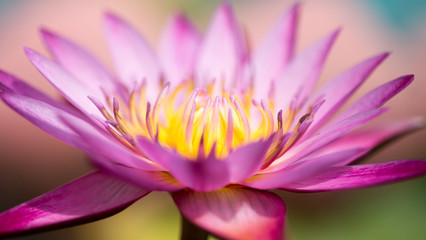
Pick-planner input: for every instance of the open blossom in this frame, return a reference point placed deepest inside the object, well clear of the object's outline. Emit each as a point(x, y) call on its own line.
point(206, 119)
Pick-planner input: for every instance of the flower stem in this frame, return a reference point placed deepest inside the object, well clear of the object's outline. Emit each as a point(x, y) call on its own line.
point(191, 232)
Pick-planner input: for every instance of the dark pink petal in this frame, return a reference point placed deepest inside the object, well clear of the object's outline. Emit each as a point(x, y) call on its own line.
point(370, 139)
point(92, 197)
point(301, 74)
point(246, 160)
point(178, 49)
point(81, 64)
point(73, 90)
point(47, 117)
point(223, 51)
point(201, 174)
point(357, 176)
point(274, 52)
point(337, 91)
point(134, 60)
point(234, 213)
point(303, 169)
point(151, 180)
point(377, 97)
point(100, 142)
point(322, 138)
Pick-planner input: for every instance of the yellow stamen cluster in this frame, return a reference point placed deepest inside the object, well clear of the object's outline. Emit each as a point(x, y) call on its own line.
point(191, 121)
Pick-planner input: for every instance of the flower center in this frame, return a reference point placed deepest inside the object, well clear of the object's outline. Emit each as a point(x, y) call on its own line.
point(191, 121)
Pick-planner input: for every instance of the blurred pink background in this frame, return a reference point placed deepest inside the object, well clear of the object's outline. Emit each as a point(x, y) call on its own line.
point(32, 162)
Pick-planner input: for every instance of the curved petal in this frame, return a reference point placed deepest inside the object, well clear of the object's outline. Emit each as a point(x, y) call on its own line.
point(370, 139)
point(134, 60)
point(322, 138)
point(274, 53)
point(79, 62)
point(91, 197)
point(178, 49)
point(299, 78)
point(47, 117)
point(73, 90)
point(8, 81)
point(377, 97)
point(247, 160)
point(305, 168)
point(337, 91)
point(234, 213)
point(151, 180)
point(223, 51)
point(202, 174)
point(357, 176)
point(101, 143)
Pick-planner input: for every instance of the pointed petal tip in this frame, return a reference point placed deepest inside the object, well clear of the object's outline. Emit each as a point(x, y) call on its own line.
point(382, 56)
point(225, 10)
point(110, 18)
point(49, 36)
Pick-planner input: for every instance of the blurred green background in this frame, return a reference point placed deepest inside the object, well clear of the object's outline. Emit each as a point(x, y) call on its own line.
point(33, 162)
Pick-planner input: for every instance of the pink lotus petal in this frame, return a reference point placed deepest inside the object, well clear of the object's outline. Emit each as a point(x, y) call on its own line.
point(247, 160)
point(91, 197)
point(14, 84)
point(134, 60)
point(80, 63)
point(371, 139)
point(234, 213)
point(203, 174)
point(151, 180)
point(223, 51)
point(178, 49)
point(358, 176)
point(303, 169)
point(322, 138)
point(99, 142)
point(47, 117)
point(301, 74)
point(73, 90)
point(274, 53)
point(377, 97)
point(337, 91)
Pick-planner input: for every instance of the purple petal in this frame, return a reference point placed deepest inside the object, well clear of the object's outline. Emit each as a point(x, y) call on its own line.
point(301, 74)
point(134, 60)
point(178, 49)
point(303, 169)
point(47, 117)
point(275, 52)
point(247, 160)
point(377, 97)
point(357, 176)
point(223, 51)
point(234, 213)
point(92, 197)
point(79, 62)
point(201, 174)
point(73, 90)
point(14, 84)
point(337, 91)
point(152, 180)
point(322, 138)
point(99, 142)
point(371, 139)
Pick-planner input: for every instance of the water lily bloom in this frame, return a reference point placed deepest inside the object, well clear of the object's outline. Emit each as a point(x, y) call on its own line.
point(209, 121)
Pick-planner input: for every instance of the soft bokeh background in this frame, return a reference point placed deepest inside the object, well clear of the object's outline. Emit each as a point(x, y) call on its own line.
point(31, 162)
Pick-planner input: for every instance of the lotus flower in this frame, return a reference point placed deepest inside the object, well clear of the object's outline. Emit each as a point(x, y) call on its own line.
point(207, 120)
